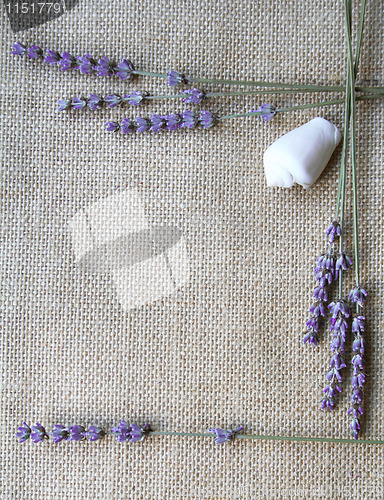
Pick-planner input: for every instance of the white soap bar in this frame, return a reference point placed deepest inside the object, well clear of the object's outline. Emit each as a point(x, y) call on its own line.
point(301, 155)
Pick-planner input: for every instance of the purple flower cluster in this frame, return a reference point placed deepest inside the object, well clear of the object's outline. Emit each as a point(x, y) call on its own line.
point(340, 312)
point(85, 64)
point(224, 435)
point(267, 111)
point(172, 122)
point(96, 102)
point(73, 433)
point(130, 432)
point(357, 296)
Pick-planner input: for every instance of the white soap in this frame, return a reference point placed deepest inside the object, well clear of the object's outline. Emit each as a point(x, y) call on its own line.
point(301, 155)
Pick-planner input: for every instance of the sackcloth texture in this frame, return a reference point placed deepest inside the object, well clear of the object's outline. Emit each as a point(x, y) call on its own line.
point(225, 349)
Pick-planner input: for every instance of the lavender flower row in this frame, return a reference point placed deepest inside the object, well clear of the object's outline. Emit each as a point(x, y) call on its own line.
point(123, 432)
point(193, 96)
point(86, 64)
point(187, 119)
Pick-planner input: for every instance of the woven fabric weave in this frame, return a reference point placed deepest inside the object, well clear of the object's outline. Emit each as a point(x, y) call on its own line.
point(225, 349)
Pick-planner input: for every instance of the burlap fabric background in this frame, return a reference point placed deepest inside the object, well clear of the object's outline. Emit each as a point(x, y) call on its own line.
point(225, 350)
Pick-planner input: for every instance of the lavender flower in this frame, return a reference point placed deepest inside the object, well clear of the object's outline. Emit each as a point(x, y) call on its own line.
point(122, 431)
point(325, 261)
point(127, 126)
point(112, 126)
point(189, 119)
point(157, 123)
point(343, 262)
point(94, 102)
point(105, 67)
point(135, 98)
point(75, 433)
point(267, 111)
point(85, 64)
point(63, 104)
point(358, 379)
point(224, 435)
point(143, 124)
point(34, 52)
point(52, 57)
point(78, 103)
point(23, 432)
point(138, 433)
point(333, 231)
point(124, 69)
point(67, 61)
point(59, 433)
point(112, 100)
point(93, 433)
point(173, 122)
point(19, 49)
point(194, 96)
point(340, 306)
point(207, 119)
point(174, 78)
point(37, 433)
point(358, 324)
point(358, 296)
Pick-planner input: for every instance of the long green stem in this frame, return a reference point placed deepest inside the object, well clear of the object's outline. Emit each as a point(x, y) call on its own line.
point(247, 83)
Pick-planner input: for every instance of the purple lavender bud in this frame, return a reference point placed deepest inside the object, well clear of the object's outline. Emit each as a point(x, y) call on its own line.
point(358, 324)
point(75, 433)
point(341, 307)
point(124, 69)
point(93, 433)
point(356, 397)
point(189, 119)
point(224, 435)
point(194, 96)
point(63, 104)
point(143, 124)
point(59, 432)
point(135, 98)
point(52, 57)
point(79, 103)
point(358, 345)
point(337, 343)
point(333, 231)
point(173, 122)
point(174, 78)
point(337, 361)
point(327, 404)
point(315, 323)
point(343, 262)
point(339, 325)
point(267, 111)
point(112, 100)
point(138, 433)
point(37, 433)
point(19, 49)
point(112, 126)
point(358, 295)
point(67, 61)
point(122, 431)
point(85, 64)
point(311, 337)
point(104, 67)
point(324, 277)
point(325, 261)
point(320, 293)
point(157, 123)
point(355, 427)
point(355, 412)
point(333, 373)
point(23, 432)
point(207, 119)
point(127, 126)
point(95, 102)
point(34, 52)
point(358, 380)
point(317, 309)
point(358, 362)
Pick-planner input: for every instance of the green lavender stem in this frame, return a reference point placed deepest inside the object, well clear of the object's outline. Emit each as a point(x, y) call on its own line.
point(247, 83)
